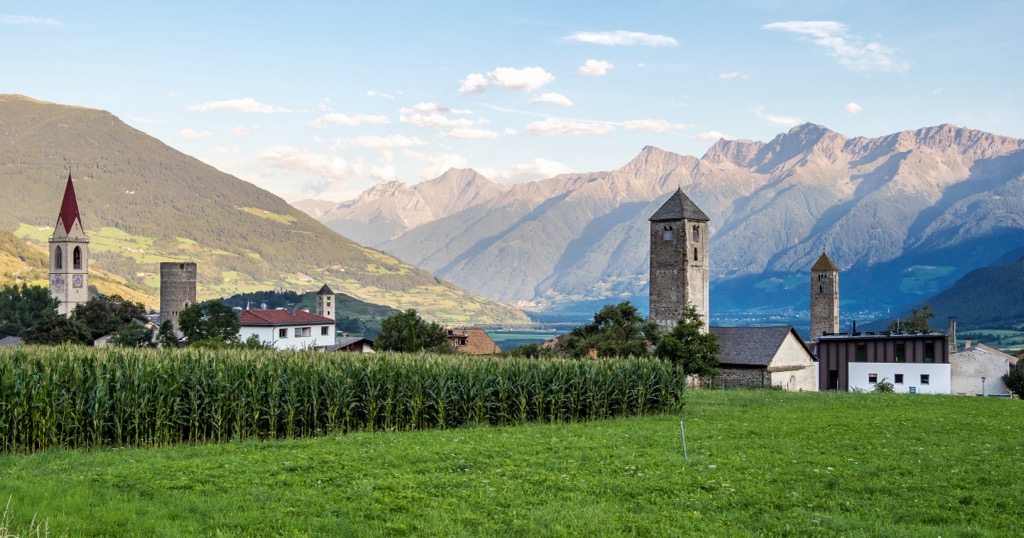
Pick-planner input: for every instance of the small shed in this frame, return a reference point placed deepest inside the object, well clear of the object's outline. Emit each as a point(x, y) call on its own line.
point(765, 356)
point(352, 344)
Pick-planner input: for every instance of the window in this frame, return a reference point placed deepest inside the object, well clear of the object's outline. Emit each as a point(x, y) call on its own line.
point(58, 258)
point(901, 352)
point(696, 232)
point(929, 352)
point(302, 331)
point(898, 379)
point(298, 332)
point(282, 333)
point(694, 254)
point(323, 330)
point(872, 378)
point(862, 352)
point(77, 258)
point(822, 277)
point(924, 379)
point(821, 289)
point(668, 233)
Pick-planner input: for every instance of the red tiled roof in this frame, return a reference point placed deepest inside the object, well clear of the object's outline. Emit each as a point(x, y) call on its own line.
point(69, 207)
point(280, 317)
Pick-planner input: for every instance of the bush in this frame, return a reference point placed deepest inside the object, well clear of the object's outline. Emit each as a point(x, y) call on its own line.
point(885, 386)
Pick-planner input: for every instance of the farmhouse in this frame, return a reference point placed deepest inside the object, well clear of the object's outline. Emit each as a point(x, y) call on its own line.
point(765, 356)
point(472, 340)
point(287, 330)
point(352, 344)
point(980, 370)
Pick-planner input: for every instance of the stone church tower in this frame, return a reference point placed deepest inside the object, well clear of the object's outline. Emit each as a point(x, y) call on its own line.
point(69, 255)
point(824, 297)
point(679, 261)
point(325, 302)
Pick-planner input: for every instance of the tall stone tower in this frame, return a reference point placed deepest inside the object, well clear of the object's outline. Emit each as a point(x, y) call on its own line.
point(177, 289)
point(824, 297)
point(679, 261)
point(325, 302)
point(69, 255)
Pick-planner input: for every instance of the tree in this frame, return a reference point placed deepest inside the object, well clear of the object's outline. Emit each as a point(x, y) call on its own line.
point(55, 328)
point(688, 348)
point(209, 322)
point(104, 315)
point(407, 331)
point(618, 330)
point(918, 321)
point(24, 306)
point(132, 334)
point(1014, 380)
point(165, 336)
point(533, 350)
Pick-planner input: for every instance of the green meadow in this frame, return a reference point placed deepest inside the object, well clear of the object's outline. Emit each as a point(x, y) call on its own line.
point(764, 463)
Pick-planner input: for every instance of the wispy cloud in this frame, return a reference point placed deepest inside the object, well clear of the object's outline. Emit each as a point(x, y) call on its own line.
point(787, 121)
point(526, 78)
point(594, 68)
point(529, 171)
point(550, 99)
point(853, 108)
point(437, 164)
point(622, 37)
point(335, 118)
point(382, 142)
point(658, 126)
point(29, 21)
point(564, 127)
point(849, 50)
point(732, 75)
point(292, 159)
point(713, 136)
point(476, 134)
point(382, 95)
point(247, 105)
point(191, 133)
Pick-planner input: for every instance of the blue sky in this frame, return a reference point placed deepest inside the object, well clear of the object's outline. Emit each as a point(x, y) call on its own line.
point(325, 99)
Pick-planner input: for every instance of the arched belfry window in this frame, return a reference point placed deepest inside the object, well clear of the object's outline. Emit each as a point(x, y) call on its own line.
point(77, 258)
point(821, 289)
point(696, 233)
point(695, 255)
point(668, 233)
point(58, 258)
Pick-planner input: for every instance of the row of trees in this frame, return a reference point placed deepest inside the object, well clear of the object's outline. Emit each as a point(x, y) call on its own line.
point(617, 331)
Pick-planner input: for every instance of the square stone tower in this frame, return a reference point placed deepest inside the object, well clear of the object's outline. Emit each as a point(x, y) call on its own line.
point(177, 289)
point(824, 297)
point(679, 261)
point(325, 302)
point(69, 255)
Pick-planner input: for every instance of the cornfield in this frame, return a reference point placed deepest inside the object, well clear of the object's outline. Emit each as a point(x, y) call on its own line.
point(78, 397)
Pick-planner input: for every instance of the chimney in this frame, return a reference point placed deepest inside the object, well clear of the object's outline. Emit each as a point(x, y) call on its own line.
point(967, 343)
point(951, 335)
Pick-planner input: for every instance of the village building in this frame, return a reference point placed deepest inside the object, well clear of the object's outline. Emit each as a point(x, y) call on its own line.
point(765, 357)
point(914, 362)
point(287, 330)
point(679, 261)
point(979, 370)
point(824, 297)
point(352, 344)
point(472, 340)
point(69, 255)
point(325, 302)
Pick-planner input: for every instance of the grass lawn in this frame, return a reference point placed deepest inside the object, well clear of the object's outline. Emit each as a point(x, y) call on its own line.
point(760, 463)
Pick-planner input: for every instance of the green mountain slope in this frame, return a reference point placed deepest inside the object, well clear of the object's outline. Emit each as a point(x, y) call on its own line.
point(143, 202)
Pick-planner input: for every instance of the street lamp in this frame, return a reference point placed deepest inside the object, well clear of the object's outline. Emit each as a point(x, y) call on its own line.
point(982, 385)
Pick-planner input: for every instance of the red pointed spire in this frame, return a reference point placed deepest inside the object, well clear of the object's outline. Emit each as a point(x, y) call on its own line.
point(69, 207)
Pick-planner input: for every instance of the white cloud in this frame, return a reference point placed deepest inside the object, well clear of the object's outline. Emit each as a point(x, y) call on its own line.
point(527, 78)
point(189, 132)
point(853, 108)
point(382, 142)
point(560, 126)
point(26, 20)
point(658, 126)
point(531, 171)
point(473, 83)
point(621, 37)
point(477, 134)
point(294, 159)
point(551, 99)
point(594, 68)
point(434, 120)
point(382, 95)
point(849, 50)
point(325, 104)
point(732, 75)
point(713, 136)
point(439, 164)
point(335, 118)
point(242, 130)
point(247, 105)
point(787, 121)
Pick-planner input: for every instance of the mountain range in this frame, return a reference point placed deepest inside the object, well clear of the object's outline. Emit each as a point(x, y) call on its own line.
point(143, 202)
point(903, 215)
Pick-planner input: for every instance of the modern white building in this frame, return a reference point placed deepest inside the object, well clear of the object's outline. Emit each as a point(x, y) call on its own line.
point(906, 377)
point(287, 330)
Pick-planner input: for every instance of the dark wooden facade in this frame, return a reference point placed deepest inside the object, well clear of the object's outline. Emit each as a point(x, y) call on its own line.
point(836, 351)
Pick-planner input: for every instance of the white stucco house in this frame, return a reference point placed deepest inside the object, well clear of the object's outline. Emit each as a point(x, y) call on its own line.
point(979, 370)
point(287, 330)
point(765, 356)
point(906, 377)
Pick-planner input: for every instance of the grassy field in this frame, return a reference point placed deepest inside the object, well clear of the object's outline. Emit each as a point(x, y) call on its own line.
point(760, 463)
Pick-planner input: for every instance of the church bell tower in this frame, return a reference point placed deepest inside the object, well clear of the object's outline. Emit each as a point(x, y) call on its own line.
point(69, 255)
point(679, 261)
point(824, 297)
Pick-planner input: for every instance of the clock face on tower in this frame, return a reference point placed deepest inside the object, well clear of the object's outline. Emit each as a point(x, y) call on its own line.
point(57, 282)
point(76, 281)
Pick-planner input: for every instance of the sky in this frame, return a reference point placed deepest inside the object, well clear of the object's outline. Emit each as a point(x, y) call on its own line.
point(318, 99)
